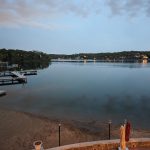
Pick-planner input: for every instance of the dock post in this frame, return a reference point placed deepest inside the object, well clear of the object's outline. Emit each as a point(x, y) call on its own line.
point(109, 123)
point(59, 133)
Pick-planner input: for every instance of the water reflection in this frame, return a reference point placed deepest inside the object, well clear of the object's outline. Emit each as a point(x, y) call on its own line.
point(88, 91)
point(106, 64)
point(34, 65)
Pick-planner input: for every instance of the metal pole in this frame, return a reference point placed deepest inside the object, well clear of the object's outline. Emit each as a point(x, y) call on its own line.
point(109, 123)
point(59, 133)
point(125, 121)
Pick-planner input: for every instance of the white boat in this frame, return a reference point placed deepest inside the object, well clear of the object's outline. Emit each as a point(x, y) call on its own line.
point(2, 92)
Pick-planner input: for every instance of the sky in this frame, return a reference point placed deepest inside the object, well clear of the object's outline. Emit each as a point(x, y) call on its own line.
point(75, 26)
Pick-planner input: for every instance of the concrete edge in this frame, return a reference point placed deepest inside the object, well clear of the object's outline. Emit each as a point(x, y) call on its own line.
point(102, 142)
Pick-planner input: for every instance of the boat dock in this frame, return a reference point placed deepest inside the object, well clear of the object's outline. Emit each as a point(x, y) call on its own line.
point(14, 78)
point(23, 72)
point(5, 73)
point(28, 72)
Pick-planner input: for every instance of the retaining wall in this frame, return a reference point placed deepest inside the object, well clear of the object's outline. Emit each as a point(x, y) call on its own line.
point(105, 145)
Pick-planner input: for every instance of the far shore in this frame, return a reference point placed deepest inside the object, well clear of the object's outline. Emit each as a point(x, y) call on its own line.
point(19, 130)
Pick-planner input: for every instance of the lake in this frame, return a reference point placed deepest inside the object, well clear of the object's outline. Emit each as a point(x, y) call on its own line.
point(85, 92)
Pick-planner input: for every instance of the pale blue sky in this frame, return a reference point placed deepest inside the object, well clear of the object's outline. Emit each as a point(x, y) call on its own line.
point(75, 26)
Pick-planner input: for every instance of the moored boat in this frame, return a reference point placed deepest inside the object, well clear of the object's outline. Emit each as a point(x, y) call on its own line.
point(2, 93)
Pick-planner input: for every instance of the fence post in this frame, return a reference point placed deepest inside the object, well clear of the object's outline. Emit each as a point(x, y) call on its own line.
point(59, 133)
point(109, 124)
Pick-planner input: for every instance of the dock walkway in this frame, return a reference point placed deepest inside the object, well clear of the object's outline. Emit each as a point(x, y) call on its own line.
point(29, 72)
point(23, 72)
point(17, 74)
point(15, 78)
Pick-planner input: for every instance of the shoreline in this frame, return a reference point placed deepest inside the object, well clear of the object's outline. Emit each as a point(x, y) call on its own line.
point(20, 129)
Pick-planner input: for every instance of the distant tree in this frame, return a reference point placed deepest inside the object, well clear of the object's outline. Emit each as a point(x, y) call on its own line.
point(25, 59)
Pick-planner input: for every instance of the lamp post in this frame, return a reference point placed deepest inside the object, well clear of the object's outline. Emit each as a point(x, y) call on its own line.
point(59, 133)
point(109, 124)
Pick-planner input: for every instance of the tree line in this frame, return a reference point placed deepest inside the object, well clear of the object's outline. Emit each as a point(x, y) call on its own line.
point(25, 59)
point(37, 59)
point(125, 55)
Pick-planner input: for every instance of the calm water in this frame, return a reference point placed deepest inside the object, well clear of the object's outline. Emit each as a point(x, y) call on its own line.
point(85, 92)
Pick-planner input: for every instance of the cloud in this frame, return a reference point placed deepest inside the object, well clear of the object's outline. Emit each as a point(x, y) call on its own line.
point(44, 13)
point(35, 12)
point(130, 8)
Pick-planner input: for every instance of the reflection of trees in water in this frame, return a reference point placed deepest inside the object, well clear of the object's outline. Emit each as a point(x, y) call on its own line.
point(34, 65)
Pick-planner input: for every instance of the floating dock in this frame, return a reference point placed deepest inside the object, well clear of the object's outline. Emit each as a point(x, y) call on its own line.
point(23, 72)
point(5, 73)
point(28, 72)
point(15, 78)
